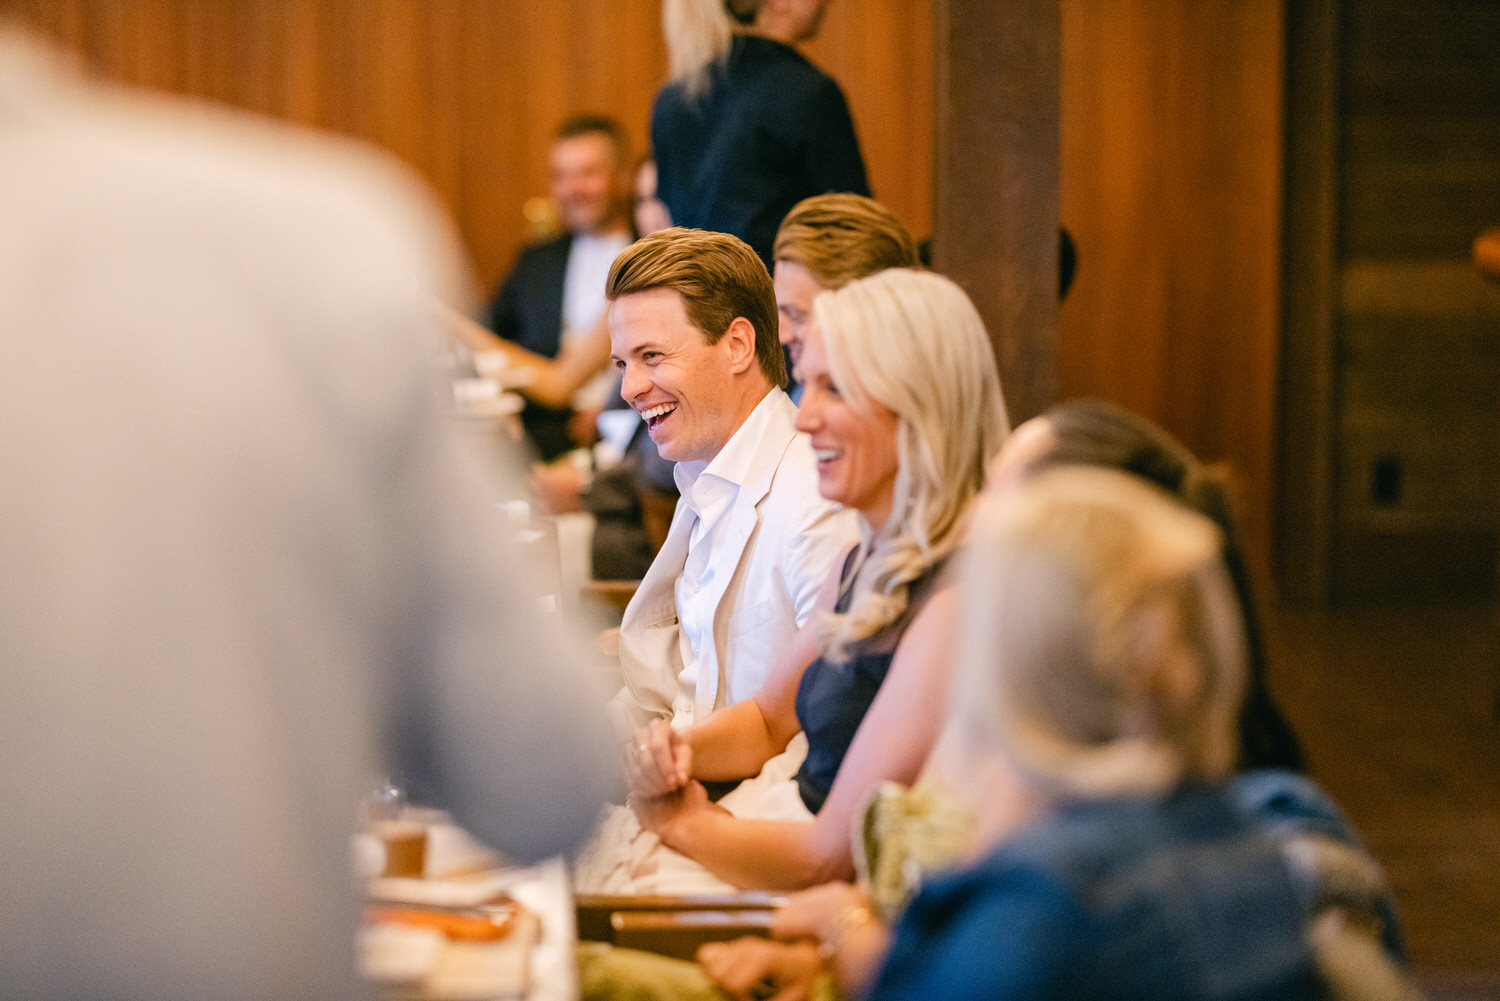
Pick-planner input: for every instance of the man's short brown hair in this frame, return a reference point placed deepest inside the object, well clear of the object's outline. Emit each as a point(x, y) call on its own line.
point(600, 125)
point(841, 237)
point(719, 278)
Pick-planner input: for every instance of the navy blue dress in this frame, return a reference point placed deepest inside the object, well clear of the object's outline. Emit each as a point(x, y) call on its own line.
point(771, 130)
point(832, 699)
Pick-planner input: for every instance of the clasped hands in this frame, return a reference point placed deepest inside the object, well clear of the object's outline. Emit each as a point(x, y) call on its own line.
point(659, 774)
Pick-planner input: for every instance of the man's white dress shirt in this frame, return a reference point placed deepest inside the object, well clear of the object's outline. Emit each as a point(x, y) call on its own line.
point(750, 545)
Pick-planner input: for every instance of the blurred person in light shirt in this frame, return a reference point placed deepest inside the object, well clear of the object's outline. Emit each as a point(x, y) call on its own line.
point(243, 569)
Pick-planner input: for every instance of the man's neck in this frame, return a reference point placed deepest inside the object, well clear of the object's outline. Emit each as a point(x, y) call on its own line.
point(692, 469)
point(777, 29)
point(748, 401)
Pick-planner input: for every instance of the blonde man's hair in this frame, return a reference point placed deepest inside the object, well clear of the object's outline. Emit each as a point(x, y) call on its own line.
point(1101, 650)
point(911, 341)
point(699, 35)
point(719, 278)
point(841, 237)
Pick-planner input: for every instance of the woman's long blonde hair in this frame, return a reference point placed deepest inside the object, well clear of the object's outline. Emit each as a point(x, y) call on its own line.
point(912, 342)
point(699, 35)
point(1101, 651)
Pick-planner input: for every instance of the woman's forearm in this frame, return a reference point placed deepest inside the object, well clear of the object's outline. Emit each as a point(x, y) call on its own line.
point(548, 381)
point(761, 854)
point(860, 957)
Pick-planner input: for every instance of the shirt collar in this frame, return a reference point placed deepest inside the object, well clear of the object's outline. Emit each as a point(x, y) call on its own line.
point(732, 466)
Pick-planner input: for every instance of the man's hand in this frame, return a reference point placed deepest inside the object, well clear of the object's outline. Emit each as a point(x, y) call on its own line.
point(757, 969)
point(557, 485)
point(583, 427)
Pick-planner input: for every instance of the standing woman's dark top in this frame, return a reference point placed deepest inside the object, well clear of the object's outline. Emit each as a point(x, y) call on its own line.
point(771, 130)
point(746, 128)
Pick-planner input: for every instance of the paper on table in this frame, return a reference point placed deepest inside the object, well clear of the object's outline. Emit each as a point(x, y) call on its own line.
point(434, 967)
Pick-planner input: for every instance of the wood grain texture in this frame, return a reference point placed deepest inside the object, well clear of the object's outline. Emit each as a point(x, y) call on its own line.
point(1417, 342)
point(1304, 501)
point(1399, 711)
point(995, 198)
point(469, 91)
point(1171, 184)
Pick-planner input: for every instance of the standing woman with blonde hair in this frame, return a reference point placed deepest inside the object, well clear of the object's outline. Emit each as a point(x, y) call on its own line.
point(746, 127)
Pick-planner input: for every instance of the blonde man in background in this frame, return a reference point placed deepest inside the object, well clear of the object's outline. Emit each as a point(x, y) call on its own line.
point(826, 242)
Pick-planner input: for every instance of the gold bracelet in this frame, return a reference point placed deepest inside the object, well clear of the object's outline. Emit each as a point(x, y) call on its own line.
point(852, 917)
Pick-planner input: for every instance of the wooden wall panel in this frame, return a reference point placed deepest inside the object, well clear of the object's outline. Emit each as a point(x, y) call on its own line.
point(1171, 185)
point(469, 91)
point(881, 52)
point(995, 193)
point(1417, 346)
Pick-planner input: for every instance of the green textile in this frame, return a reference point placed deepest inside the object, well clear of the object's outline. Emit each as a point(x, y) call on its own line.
point(905, 835)
point(607, 973)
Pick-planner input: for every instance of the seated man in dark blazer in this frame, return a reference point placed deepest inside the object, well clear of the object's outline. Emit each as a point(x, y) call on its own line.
point(555, 292)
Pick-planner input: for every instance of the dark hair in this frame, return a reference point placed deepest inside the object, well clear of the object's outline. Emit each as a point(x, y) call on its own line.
point(1097, 433)
point(589, 124)
point(719, 278)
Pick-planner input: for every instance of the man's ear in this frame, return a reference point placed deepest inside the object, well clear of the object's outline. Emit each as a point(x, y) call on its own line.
point(741, 345)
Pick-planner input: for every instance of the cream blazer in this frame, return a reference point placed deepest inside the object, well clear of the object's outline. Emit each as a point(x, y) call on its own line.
point(783, 541)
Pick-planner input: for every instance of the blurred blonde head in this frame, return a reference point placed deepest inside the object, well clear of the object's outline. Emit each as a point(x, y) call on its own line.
point(911, 341)
point(1101, 651)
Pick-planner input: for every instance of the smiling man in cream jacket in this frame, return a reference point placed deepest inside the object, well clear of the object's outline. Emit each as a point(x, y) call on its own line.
point(692, 322)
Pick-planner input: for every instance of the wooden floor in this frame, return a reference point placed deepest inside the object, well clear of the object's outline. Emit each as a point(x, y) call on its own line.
point(1398, 710)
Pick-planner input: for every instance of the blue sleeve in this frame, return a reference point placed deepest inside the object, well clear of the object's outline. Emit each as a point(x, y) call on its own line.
point(997, 938)
point(1287, 805)
point(1285, 801)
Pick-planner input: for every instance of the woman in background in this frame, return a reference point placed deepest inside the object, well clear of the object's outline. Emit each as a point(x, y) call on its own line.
point(1096, 433)
point(747, 127)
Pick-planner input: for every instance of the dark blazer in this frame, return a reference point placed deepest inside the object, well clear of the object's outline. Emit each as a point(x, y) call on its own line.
point(527, 309)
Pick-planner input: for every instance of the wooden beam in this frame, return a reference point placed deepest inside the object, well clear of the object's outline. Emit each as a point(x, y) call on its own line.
point(995, 180)
point(1304, 504)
